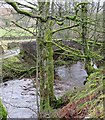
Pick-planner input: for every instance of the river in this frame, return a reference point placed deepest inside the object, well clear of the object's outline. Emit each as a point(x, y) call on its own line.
point(19, 96)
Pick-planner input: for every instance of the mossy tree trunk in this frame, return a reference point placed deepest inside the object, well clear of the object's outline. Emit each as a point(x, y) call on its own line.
point(46, 66)
point(103, 48)
point(50, 64)
point(86, 50)
point(44, 92)
point(103, 53)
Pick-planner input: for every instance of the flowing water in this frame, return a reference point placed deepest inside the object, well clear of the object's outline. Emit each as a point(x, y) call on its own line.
point(19, 96)
point(70, 77)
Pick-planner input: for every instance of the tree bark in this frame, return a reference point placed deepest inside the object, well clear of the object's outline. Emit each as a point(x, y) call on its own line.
point(86, 53)
point(50, 64)
point(44, 94)
point(46, 66)
point(103, 49)
point(103, 53)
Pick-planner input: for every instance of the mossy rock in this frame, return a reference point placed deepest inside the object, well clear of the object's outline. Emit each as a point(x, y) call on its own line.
point(3, 112)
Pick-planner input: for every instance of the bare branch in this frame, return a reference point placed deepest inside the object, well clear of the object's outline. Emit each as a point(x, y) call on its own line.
point(27, 6)
point(32, 3)
point(23, 28)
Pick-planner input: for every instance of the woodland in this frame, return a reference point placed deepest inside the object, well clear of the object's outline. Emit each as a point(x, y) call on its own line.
point(38, 37)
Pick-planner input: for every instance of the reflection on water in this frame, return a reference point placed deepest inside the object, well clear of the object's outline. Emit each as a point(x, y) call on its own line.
point(19, 95)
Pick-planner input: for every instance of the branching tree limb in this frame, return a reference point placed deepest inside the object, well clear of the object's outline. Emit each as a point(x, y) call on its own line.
point(24, 12)
point(66, 50)
point(27, 6)
point(68, 27)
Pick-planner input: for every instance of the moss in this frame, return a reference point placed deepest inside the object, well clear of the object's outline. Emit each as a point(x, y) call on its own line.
point(90, 69)
point(59, 63)
point(3, 112)
point(13, 67)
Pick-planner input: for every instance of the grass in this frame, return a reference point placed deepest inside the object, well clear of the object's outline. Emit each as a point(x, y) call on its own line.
point(14, 31)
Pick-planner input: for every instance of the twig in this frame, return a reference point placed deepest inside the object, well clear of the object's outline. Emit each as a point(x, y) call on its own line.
point(23, 28)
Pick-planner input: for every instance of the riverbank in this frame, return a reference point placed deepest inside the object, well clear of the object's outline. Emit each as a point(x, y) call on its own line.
point(85, 102)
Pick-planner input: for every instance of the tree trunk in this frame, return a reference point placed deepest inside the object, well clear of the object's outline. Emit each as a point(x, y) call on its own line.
point(87, 59)
point(103, 53)
point(44, 91)
point(50, 64)
point(46, 66)
point(103, 48)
